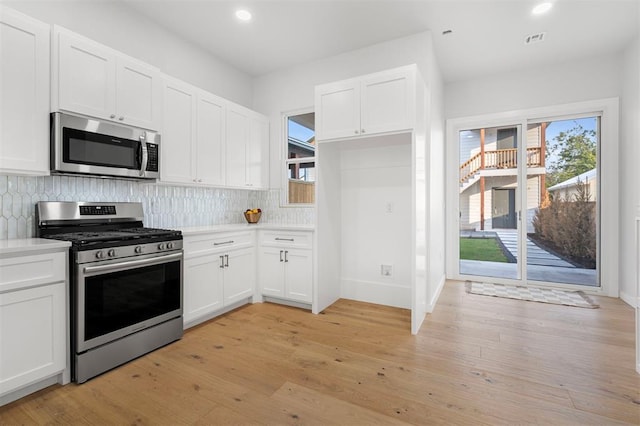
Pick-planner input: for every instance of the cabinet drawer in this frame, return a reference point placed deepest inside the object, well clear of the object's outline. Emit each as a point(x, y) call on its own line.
point(296, 239)
point(217, 242)
point(28, 271)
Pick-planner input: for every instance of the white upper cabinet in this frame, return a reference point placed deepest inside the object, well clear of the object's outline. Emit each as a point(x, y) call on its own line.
point(257, 154)
point(178, 132)
point(92, 79)
point(388, 101)
point(247, 145)
point(236, 143)
point(383, 102)
point(338, 110)
point(192, 135)
point(210, 138)
point(24, 85)
point(207, 140)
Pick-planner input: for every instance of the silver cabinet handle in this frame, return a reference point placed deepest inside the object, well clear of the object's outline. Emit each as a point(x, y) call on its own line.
point(362, 131)
point(223, 243)
point(121, 118)
point(221, 262)
point(355, 131)
point(226, 260)
point(281, 255)
point(112, 116)
point(285, 239)
point(286, 255)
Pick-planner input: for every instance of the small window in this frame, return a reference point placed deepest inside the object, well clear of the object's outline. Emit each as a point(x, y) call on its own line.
point(300, 158)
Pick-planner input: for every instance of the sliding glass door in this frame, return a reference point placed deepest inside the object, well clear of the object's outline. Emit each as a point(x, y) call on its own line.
point(528, 202)
point(488, 202)
point(562, 202)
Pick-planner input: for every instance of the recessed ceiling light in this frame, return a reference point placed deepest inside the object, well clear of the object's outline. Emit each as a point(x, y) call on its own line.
point(542, 8)
point(243, 15)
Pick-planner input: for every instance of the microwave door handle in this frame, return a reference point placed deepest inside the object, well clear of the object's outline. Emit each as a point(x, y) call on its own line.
point(145, 155)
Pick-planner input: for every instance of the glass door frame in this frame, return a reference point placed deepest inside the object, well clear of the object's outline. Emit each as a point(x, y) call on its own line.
point(607, 110)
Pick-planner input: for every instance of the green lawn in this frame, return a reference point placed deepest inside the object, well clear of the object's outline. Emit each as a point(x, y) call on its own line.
point(486, 249)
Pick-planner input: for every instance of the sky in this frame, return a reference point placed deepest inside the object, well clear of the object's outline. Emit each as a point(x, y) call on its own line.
point(555, 127)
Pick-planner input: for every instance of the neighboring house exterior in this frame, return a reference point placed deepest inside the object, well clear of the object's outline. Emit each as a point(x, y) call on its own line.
point(568, 190)
point(488, 177)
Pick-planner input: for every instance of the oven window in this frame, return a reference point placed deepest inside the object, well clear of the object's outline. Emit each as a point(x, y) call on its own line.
point(122, 299)
point(95, 149)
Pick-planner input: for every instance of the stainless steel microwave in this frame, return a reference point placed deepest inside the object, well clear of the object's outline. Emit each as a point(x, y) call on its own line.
point(90, 146)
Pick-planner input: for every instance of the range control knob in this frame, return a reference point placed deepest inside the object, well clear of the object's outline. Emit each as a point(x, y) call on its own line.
point(161, 246)
point(99, 255)
point(138, 249)
point(169, 245)
point(111, 253)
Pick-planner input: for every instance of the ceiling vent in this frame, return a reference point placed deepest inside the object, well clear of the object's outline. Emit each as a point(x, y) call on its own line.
point(534, 38)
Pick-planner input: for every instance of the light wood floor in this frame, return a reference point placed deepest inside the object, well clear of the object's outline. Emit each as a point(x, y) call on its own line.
point(477, 360)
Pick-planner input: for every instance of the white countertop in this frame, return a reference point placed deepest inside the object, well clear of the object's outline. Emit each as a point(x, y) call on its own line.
point(25, 245)
point(195, 230)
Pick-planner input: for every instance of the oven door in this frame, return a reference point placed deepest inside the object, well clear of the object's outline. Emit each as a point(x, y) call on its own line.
point(117, 298)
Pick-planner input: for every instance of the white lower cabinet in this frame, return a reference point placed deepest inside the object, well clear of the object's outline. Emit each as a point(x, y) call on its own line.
point(33, 322)
point(202, 286)
point(239, 275)
point(219, 272)
point(286, 266)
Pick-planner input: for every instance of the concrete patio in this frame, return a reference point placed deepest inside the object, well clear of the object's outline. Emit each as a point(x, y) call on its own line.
point(541, 264)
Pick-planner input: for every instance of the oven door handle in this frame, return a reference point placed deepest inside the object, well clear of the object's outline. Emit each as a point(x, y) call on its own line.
point(114, 267)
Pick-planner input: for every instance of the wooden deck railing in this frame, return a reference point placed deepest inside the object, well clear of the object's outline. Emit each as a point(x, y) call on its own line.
point(498, 159)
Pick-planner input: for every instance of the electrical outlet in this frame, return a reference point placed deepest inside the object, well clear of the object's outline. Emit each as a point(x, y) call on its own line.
point(386, 270)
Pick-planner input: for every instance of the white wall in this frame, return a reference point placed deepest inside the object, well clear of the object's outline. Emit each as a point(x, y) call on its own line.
point(614, 75)
point(629, 179)
point(119, 27)
point(376, 222)
point(436, 201)
point(593, 78)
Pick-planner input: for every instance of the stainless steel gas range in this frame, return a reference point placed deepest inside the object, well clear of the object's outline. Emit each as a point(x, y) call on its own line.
point(125, 282)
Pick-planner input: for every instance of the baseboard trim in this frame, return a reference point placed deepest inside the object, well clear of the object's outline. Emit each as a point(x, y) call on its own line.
point(436, 295)
point(29, 389)
point(376, 292)
point(629, 299)
point(292, 303)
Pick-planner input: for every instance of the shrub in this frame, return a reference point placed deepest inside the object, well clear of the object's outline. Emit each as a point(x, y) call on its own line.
point(569, 225)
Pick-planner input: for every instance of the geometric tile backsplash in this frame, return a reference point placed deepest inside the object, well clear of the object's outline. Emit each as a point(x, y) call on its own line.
point(164, 206)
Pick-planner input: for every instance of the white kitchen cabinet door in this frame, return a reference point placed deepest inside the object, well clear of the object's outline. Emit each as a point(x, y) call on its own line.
point(298, 275)
point(138, 91)
point(257, 152)
point(338, 110)
point(203, 286)
point(387, 102)
point(178, 133)
point(239, 275)
point(86, 76)
point(271, 267)
point(237, 135)
point(95, 80)
point(33, 335)
point(210, 137)
point(24, 103)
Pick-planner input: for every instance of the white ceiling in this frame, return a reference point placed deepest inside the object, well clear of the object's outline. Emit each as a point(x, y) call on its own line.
point(488, 35)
